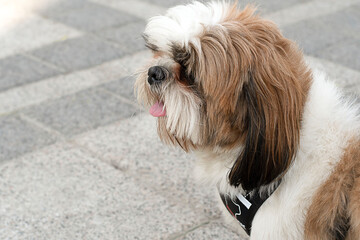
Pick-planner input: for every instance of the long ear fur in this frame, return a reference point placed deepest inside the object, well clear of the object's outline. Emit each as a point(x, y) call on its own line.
point(255, 84)
point(274, 95)
point(267, 149)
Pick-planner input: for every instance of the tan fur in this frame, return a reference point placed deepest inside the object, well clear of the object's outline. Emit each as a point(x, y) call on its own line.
point(354, 201)
point(336, 204)
point(249, 52)
point(243, 43)
point(252, 83)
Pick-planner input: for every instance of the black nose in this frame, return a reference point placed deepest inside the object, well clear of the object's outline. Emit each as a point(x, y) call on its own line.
point(156, 74)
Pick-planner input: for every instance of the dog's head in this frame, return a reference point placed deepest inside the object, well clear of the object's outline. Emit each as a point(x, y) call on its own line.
point(221, 78)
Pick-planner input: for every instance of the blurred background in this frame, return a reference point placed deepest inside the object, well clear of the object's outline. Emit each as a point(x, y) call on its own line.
point(79, 159)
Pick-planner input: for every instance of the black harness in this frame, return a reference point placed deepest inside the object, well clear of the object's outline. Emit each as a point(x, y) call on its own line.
point(243, 208)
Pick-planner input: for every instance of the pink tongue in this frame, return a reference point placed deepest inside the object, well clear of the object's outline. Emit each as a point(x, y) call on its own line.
point(158, 110)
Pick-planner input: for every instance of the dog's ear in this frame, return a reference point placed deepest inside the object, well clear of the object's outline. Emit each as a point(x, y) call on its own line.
point(274, 97)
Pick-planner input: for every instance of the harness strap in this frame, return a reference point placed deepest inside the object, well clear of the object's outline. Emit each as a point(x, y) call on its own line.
point(243, 208)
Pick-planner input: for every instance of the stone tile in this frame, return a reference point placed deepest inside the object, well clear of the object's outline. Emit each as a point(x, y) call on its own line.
point(265, 6)
point(67, 84)
point(343, 76)
point(27, 32)
point(78, 53)
point(61, 6)
point(63, 191)
point(167, 3)
point(91, 16)
point(127, 37)
point(214, 230)
point(349, 19)
point(19, 70)
point(138, 8)
point(309, 10)
point(314, 35)
point(345, 52)
point(133, 64)
point(123, 87)
point(49, 89)
point(81, 112)
point(19, 137)
point(164, 170)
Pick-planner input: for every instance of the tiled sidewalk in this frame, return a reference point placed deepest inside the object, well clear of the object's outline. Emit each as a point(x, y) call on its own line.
point(78, 157)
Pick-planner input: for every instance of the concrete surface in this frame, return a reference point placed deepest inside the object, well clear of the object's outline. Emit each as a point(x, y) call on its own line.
point(78, 157)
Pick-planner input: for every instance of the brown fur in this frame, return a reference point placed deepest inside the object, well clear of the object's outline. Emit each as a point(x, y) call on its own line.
point(336, 205)
point(254, 82)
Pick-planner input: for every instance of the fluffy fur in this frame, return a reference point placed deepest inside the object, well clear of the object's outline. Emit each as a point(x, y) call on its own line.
point(240, 96)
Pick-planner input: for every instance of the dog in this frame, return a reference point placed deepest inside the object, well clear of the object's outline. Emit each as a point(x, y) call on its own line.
point(276, 139)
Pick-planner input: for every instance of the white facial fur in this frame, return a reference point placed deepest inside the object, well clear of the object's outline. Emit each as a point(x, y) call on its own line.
point(183, 113)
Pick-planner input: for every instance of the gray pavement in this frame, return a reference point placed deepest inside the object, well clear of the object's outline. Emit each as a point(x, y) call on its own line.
point(79, 159)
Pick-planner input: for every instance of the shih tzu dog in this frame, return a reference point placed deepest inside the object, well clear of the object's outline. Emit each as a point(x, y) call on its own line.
point(277, 140)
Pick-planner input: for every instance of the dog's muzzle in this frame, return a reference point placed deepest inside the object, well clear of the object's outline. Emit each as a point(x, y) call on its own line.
point(156, 74)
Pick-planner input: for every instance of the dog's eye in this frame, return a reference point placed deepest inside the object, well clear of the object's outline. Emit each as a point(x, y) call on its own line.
point(186, 77)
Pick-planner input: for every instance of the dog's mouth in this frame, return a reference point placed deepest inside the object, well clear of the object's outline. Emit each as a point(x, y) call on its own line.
point(158, 110)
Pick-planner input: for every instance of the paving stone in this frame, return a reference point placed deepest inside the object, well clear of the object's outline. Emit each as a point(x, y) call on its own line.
point(265, 6)
point(315, 35)
point(63, 191)
point(91, 16)
point(78, 53)
point(342, 76)
point(61, 6)
point(345, 52)
point(138, 8)
point(127, 37)
point(215, 231)
point(123, 87)
point(349, 18)
point(306, 11)
point(133, 64)
point(28, 31)
point(167, 3)
point(62, 85)
point(19, 137)
point(51, 88)
point(19, 70)
point(133, 146)
point(81, 112)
